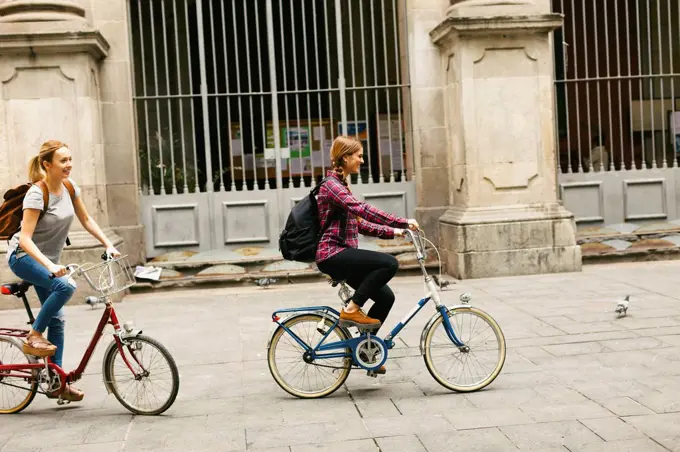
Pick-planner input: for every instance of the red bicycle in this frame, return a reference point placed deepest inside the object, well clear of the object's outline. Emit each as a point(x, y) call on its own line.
point(134, 366)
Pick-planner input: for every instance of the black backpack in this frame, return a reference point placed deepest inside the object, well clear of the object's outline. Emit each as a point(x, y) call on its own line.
point(299, 240)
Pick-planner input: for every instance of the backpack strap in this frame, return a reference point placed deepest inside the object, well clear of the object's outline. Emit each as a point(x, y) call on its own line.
point(71, 190)
point(338, 212)
point(46, 196)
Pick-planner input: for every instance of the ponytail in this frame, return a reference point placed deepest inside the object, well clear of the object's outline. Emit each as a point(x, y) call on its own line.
point(35, 172)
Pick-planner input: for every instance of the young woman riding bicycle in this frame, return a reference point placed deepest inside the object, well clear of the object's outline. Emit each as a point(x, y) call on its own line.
point(34, 252)
point(368, 272)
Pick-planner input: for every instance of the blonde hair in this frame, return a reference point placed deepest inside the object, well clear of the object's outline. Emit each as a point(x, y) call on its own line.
point(36, 170)
point(343, 146)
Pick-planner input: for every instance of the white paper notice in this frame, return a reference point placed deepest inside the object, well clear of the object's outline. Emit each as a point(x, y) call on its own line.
point(319, 133)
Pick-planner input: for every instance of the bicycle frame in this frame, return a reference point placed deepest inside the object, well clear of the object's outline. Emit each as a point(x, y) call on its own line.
point(389, 339)
point(109, 317)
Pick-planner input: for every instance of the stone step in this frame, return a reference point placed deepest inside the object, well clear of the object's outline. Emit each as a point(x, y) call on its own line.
point(246, 265)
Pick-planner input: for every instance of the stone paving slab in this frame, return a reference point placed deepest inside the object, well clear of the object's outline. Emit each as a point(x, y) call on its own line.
point(576, 378)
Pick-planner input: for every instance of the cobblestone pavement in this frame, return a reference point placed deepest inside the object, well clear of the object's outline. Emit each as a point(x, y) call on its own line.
point(576, 378)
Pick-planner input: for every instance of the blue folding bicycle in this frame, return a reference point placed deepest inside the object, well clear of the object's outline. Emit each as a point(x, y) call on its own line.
point(310, 354)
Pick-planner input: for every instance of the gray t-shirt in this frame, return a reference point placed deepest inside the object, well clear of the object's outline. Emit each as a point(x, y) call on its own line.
point(52, 229)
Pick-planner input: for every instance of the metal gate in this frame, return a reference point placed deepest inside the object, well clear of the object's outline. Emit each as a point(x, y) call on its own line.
point(618, 134)
point(238, 101)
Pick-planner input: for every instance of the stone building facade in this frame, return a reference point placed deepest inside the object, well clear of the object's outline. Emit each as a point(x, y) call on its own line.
point(484, 156)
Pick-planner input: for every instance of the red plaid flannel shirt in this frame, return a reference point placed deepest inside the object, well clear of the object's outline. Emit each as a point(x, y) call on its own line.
point(357, 216)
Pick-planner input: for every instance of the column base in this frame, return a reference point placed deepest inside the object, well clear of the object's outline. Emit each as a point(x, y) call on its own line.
point(517, 240)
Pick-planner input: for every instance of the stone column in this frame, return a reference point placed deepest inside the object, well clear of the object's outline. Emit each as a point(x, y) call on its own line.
point(505, 218)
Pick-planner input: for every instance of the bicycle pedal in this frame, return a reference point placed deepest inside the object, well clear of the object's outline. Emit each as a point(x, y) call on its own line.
point(61, 402)
point(371, 373)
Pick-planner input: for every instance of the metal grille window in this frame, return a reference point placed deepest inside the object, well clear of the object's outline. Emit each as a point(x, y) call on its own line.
point(617, 69)
point(247, 95)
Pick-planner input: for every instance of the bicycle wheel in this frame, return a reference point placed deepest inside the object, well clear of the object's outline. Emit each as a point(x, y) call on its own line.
point(153, 386)
point(18, 390)
point(296, 375)
point(475, 366)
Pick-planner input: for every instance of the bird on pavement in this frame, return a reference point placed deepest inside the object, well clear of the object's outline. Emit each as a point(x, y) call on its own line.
point(264, 283)
point(622, 306)
point(442, 283)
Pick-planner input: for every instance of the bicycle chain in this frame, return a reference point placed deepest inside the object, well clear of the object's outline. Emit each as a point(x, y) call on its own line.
point(23, 388)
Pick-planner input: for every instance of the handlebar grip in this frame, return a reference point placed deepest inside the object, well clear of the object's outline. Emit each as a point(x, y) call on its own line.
point(105, 257)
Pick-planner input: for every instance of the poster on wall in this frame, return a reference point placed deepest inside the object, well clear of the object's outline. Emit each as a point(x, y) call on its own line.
point(390, 135)
point(356, 129)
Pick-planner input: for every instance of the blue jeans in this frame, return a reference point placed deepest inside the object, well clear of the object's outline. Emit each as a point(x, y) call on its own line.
point(53, 295)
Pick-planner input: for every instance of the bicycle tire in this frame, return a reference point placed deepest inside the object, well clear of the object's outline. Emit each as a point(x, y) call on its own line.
point(115, 388)
point(274, 368)
point(433, 368)
point(32, 388)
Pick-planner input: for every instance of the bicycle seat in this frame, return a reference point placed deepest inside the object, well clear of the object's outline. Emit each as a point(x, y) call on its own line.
point(15, 288)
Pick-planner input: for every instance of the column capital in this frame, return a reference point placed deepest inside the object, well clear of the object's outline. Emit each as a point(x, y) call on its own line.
point(463, 8)
point(40, 11)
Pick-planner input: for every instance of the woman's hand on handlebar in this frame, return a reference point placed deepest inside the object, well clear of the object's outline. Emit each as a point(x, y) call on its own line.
point(413, 224)
point(399, 232)
point(57, 270)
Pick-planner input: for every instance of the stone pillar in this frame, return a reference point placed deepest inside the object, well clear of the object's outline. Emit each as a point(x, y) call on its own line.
point(505, 218)
point(427, 112)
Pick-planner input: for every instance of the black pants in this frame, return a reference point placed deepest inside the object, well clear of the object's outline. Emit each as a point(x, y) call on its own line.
point(368, 273)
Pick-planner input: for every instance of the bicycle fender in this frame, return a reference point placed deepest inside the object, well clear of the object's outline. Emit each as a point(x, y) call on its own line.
point(330, 315)
point(107, 384)
point(434, 319)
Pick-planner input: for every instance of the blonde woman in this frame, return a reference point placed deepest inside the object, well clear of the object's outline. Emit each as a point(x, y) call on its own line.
point(337, 255)
point(34, 252)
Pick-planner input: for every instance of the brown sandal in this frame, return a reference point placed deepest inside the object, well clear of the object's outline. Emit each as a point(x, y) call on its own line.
point(38, 346)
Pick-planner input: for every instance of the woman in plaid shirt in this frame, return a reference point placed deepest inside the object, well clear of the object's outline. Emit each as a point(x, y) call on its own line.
point(337, 255)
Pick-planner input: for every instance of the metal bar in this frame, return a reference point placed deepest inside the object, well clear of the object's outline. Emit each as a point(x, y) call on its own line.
point(217, 103)
point(664, 162)
point(622, 165)
point(256, 186)
point(354, 83)
point(167, 88)
point(618, 77)
point(375, 78)
point(318, 86)
point(397, 62)
point(387, 91)
point(135, 113)
point(159, 135)
point(639, 51)
point(275, 101)
point(328, 68)
point(204, 98)
point(146, 106)
point(588, 115)
point(651, 83)
point(244, 185)
point(409, 159)
point(630, 85)
point(259, 71)
point(285, 85)
point(363, 63)
point(298, 91)
point(597, 88)
point(341, 64)
point(579, 166)
point(297, 100)
point(309, 106)
point(226, 76)
point(671, 50)
point(197, 188)
point(185, 187)
point(610, 148)
point(565, 59)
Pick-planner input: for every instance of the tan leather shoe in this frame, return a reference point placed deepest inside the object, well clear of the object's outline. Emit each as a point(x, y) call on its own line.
point(358, 319)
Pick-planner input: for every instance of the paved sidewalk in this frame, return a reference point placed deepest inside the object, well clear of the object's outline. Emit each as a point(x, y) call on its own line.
point(576, 378)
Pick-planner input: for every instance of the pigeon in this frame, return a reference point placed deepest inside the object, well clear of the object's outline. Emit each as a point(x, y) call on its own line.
point(92, 301)
point(443, 283)
point(622, 306)
point(264, 283)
